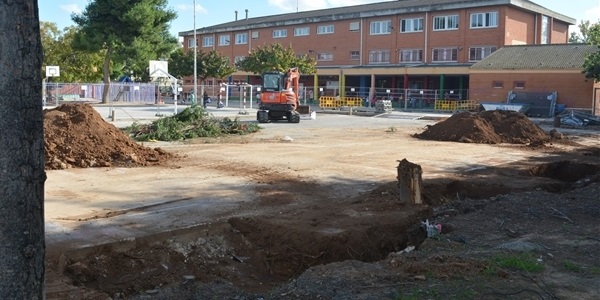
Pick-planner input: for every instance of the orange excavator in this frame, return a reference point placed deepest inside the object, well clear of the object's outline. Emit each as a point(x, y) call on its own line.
point(279, 97)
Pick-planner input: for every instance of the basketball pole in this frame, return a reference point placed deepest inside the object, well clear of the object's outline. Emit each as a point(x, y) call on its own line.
point(195, 57)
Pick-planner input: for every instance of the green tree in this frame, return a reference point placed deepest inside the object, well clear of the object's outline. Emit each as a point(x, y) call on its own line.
point(208, 64)
point(275, 57)
point(22, 152)
point(588, 33)
point(591, 66)
point(130, 32)
point(75, 66)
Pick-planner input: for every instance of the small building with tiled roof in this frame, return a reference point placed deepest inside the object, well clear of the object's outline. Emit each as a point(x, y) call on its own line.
point(537, 69)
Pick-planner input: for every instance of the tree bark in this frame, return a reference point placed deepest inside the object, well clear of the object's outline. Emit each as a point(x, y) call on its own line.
point(22, 174)
point(106, 75)
point(410, 182)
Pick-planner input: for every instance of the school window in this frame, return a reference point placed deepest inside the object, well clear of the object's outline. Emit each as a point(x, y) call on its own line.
point(279, 33)
point(208, 41)
point(479, 53)
point(444, 55)
point(545, 38)
point(411, 25)
point(324, 56)
point(354, 55)
point(483, 20)
point(191, 43)
point(445, 22)
point(241, 38)
point(411, 55)
point(519, 85)
point(224, 40)
point(300, 31)
point(325, 29)
point(381, 27)
point(379, 56)
point(497, 84)
point(237, 59)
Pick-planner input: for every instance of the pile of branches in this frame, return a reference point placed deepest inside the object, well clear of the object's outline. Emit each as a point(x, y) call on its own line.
point(192, 122)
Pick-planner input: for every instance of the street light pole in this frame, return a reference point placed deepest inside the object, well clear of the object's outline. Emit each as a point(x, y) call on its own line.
point(195, 56)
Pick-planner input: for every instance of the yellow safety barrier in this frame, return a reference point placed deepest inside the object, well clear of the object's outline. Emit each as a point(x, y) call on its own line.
point(335, 102)
point(353, 101)
point(456, 105)
point(327, 102)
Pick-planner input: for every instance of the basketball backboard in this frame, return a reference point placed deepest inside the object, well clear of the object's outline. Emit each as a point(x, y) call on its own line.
point(52, 71)
point(159, 68)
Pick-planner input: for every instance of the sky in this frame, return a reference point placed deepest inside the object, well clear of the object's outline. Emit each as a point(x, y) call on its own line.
point(213, 12)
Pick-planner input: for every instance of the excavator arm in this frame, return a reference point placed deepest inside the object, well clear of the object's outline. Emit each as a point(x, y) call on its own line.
point(292, 82)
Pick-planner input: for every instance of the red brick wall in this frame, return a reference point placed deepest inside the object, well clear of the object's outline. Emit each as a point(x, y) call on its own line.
point(520, 27)
point(574, 90)
point(559, 33)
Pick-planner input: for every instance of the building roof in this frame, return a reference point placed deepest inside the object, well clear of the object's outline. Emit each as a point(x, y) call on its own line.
point(371, 10)
point(532, 57)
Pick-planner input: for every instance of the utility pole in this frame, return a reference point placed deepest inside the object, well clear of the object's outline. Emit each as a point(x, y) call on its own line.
point(195, 56)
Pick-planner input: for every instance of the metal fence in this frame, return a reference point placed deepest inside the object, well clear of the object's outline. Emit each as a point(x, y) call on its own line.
point(55, 93)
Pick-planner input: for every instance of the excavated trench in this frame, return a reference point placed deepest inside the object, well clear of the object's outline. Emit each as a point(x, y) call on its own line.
point(257, 253)
point(254, 254)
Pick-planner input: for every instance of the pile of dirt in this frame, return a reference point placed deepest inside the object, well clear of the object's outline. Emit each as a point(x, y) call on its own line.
point(75, 135)
point(487, 127)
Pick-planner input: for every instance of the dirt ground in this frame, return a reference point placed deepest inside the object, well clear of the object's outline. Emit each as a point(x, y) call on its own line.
point(313, 212)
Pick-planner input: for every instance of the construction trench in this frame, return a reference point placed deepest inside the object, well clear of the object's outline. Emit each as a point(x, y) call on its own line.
point(293, 224)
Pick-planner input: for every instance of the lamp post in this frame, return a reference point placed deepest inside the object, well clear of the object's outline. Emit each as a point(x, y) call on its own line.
point(195, 55)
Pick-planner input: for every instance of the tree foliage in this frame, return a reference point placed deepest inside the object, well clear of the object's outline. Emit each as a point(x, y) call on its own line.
point(588, 33)
point(75, 65)
point(591, 66)
point(275, 57)
point(128, 31)
point(208, 64)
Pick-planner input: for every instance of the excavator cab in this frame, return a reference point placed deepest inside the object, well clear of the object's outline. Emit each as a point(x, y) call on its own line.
point(279, 97)
point(273, 81)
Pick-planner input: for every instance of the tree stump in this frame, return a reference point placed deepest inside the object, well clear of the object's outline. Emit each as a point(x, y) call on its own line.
point(410, 182)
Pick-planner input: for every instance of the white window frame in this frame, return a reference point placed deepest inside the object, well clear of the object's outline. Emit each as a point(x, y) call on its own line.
point(325, 29)
point(301, 31)
point(379, 56)
point(411, 56)
point(279, 33)
point(449, 22)
point(208, 41)
point(191, 43)
point(481, 52)
point(444, 54)
point(241, 38)
point(354, 54)
point(224, 40)
point(484, 20)
point(380, 27)
point(411, 25)
point(324, 56)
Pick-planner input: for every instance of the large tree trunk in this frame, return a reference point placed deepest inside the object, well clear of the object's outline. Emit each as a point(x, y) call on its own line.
point(106, 75)
point(22, 173)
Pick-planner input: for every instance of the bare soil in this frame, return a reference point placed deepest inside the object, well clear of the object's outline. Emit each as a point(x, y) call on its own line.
point(320, 218)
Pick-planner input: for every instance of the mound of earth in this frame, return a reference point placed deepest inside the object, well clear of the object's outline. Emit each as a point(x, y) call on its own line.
point(487, 127)
point(75, 135)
